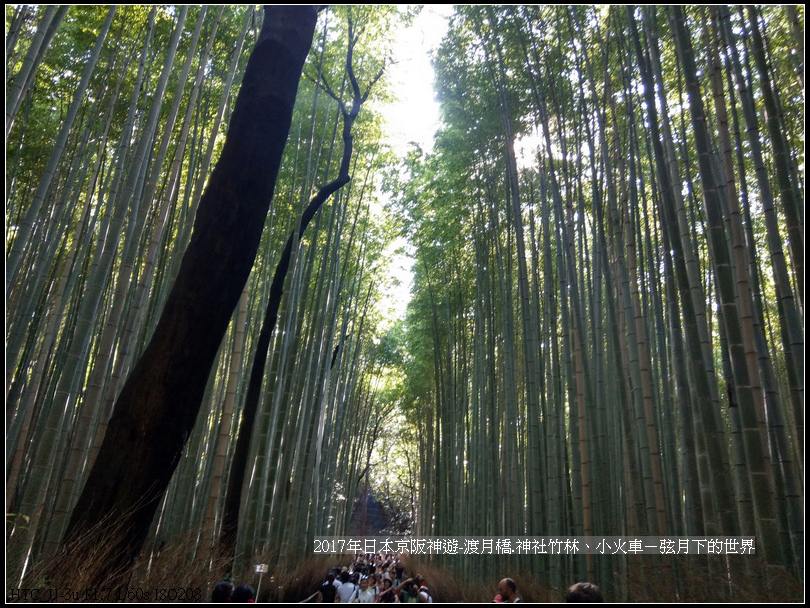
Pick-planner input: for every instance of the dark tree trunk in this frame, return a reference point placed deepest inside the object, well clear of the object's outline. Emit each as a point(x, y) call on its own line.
point(236, 478)
point(159, 403)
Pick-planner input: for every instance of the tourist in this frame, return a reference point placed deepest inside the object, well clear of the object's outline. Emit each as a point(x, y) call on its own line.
point(583, 592)
point(222, 592)
point(328, 591)
point(243, 594)
point(507, 592)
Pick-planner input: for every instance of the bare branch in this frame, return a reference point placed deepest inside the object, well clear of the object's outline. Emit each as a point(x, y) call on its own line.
point(353, 37)
point(372, 83)
point(324, 86)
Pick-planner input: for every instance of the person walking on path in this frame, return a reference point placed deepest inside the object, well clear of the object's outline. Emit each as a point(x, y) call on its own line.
point(507, 592)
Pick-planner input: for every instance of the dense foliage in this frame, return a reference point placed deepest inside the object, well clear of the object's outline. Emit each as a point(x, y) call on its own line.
point(102, 193)
point(606, 330)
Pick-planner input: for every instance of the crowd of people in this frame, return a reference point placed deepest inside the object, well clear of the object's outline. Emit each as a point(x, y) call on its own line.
point(380, 579)
point(373, 579)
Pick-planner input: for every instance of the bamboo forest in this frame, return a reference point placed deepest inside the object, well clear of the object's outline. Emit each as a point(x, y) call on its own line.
point(604, 331)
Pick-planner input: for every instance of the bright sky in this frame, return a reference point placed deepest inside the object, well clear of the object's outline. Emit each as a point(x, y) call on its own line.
point(413, 118)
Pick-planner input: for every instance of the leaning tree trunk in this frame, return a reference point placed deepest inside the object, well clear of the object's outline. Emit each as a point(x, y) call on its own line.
point(239, 464)
point(158, 404)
